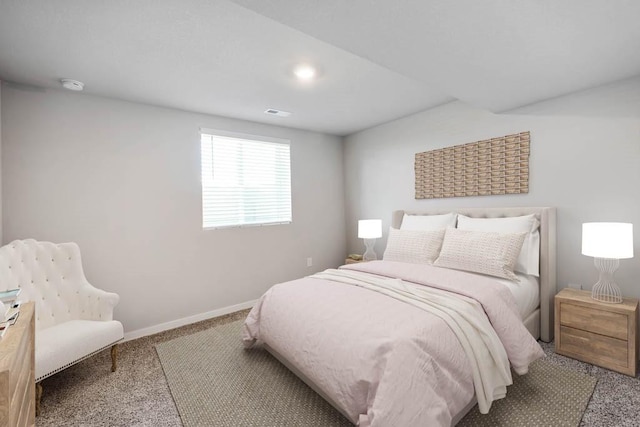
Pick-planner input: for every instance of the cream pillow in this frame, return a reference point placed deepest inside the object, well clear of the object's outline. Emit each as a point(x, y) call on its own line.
point(528, 261)
point(417, 247)
point(428, 222)
point(483, 252)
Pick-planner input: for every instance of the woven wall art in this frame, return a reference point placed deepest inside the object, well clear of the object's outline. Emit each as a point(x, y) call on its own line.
point(483, 168)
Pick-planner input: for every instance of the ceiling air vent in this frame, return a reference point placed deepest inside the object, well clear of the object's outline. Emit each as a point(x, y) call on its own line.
point(274, 112)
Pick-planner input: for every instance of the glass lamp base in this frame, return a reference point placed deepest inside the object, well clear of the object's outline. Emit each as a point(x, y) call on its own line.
point(369, 254)
point(606, 289)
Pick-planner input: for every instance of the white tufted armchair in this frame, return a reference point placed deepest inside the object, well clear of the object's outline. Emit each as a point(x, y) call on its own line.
point(74, 320)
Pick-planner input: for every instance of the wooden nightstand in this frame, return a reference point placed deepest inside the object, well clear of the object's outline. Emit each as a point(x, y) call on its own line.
point(352, 261)
point(596, 332)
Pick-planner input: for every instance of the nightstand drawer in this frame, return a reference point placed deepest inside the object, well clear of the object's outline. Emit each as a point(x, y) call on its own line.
point(594, 348)
point(597, 321)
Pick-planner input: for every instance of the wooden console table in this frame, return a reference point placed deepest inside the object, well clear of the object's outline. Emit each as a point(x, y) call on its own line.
point(17, 371)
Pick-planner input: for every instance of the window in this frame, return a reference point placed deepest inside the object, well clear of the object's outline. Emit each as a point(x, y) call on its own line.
point(246, 180)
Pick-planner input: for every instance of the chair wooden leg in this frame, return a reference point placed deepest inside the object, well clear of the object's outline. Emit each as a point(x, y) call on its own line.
point(114, 357)
point(38, 396)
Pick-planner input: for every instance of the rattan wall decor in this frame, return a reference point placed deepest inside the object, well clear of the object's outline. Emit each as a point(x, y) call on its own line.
point(482, 168)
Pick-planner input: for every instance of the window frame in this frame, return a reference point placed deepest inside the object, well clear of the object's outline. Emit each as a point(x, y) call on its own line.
point(250, 137)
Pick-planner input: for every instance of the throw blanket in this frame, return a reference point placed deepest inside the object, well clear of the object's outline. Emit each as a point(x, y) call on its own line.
point(382, 361)
point(465, 317)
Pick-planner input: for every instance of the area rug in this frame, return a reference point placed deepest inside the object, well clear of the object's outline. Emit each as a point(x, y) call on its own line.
point(214, 382)
point(547, 396)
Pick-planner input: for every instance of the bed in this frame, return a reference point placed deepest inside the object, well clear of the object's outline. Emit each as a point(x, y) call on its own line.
point(397, 343)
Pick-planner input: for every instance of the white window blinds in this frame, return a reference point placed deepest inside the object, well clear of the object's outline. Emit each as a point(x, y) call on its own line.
point(246, 180)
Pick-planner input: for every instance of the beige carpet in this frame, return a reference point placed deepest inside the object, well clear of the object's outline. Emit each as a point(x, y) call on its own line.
point(214, 382)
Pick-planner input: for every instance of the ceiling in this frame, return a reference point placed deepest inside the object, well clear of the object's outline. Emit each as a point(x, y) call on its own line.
point(234, 58)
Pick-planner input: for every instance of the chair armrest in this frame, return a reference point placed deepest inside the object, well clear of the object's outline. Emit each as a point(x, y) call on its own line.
point(97, 304)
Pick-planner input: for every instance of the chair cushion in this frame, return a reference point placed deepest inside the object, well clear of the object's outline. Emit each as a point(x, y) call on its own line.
point(62, 345)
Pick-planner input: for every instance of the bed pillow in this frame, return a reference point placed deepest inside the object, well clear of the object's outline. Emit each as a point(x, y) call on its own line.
point(483, 252)
point(528, 261)
point(428, 222)
point(416, 247)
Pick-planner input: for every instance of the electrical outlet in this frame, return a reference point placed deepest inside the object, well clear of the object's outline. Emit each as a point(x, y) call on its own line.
point(575, 285)
point(309, 262)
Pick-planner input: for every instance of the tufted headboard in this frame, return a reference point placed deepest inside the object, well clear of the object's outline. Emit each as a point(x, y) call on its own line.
point(51, 275)
point(547, 218)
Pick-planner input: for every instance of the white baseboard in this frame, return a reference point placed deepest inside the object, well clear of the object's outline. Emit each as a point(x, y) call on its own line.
point(139, 333)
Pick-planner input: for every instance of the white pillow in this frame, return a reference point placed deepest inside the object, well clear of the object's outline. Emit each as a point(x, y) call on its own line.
point(529, 259)
point(483, 252)
point(417, 247)
point(428, 222)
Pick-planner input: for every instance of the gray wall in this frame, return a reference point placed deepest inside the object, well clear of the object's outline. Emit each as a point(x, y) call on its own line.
point(123, 181)
point(585, 160)
point(0, 161)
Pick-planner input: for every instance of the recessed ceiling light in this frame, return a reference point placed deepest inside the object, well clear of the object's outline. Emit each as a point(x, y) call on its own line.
point(305, 72)
point(72, 84)
point(279, 113)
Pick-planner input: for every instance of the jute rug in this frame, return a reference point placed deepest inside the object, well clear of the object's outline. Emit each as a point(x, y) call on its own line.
point(547, 396)
point(215, 383)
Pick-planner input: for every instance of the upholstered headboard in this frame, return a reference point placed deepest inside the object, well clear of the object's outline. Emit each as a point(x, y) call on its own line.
point(547, 218)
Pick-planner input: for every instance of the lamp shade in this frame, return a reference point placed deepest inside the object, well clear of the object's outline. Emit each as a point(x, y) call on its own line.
point(607, 240)
point(369, 228)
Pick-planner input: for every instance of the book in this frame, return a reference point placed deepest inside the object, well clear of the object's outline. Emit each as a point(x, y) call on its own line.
point(9, 295)
point(12, 313)
point(10, 317)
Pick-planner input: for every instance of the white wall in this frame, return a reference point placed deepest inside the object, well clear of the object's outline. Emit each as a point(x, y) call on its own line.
point(123, 181)
point(585, 160)
point(0, 161)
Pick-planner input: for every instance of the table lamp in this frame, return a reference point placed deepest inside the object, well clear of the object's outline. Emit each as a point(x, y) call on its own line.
point(369, 230)
point(607, 242)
